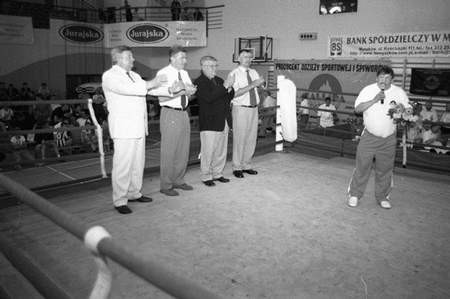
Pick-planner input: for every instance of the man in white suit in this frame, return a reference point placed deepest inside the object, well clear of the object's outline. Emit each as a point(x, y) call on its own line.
point(125, 93)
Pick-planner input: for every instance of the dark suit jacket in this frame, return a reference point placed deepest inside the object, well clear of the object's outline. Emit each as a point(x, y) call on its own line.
point(214, 103)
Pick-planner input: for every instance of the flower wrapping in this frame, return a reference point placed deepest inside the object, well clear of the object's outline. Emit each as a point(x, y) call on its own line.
point(401, 115)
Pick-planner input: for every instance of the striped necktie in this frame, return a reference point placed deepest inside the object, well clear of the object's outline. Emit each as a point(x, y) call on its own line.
point(183, 97)
point(252, 91)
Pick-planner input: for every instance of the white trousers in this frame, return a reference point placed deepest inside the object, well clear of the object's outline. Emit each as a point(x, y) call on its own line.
point(128, 169)
point(213, 153)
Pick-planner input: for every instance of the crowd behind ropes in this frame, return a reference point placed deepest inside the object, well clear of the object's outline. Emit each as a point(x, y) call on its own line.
point(19, 148)
point(431, 126)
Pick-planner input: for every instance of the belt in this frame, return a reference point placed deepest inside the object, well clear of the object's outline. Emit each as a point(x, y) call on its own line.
point(251, 106)
point(173, 108)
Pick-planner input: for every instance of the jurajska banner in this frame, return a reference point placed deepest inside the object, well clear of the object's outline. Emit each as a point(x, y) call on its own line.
point(330, 78)
point(403, 44)
point(16, 30)
point(64, 32)
point(132, 34)
point(156, 34)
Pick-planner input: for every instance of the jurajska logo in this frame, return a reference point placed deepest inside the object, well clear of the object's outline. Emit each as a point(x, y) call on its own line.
point(147, 33)
point(81, 33)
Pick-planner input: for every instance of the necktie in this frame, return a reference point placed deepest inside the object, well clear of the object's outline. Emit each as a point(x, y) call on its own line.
point(252, 91)
point(183, 97)
point(129, 76)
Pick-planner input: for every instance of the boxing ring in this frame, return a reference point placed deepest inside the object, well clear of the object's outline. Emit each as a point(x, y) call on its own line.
point(298, 241)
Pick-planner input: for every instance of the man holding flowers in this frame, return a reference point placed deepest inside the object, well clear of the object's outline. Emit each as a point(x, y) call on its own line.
point(378, 140)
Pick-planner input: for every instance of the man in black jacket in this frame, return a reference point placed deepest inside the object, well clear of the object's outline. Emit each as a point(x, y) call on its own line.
point(214, 96)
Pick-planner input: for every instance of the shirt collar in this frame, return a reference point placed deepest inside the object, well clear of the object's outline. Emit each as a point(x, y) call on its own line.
point(243, 69)
point(119, 68)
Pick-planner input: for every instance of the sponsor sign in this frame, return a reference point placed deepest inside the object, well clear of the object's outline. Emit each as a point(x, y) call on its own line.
point(16, 30)
point(404, 44)
point(340, 80)
point(64, 32)
point(155, 34)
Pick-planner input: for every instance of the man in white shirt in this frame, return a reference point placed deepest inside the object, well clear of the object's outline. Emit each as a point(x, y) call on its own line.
point(378, 139)
point(125, 93)
point(245, 114)
point(326, 117)
point(174, 122)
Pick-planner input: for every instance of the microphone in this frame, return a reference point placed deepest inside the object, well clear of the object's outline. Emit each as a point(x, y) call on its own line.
point(382, 100)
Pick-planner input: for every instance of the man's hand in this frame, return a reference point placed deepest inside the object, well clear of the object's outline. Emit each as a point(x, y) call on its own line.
point(190, 89)
point(176, 87)
point(229, 81)
point(380, 96)
point(258, 82)
point(156, 82)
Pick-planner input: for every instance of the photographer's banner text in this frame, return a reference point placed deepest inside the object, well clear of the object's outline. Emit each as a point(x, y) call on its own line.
point(403, 44)
point(16, 30)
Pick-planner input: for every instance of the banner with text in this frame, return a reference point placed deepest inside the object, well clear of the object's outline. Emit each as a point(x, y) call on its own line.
point(337, 79)
point(16, 30)
point(404, 44)
point(65, 32)
point(156, 34)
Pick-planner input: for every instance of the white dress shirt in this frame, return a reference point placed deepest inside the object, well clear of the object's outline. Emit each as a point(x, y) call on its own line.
point(163, 91)
point(241, 81)
point(126, 103)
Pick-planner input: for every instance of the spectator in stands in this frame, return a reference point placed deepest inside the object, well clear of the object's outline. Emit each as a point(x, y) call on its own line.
point(245, 114)
point(175, 9)
point(13, 93)
point(125, 92)
point(414, 133)
point(3, 92)
point(63, 138)
point(98, 104)
point(44, 140)
point(198, 15)
point(432, 136)
point(20, 149)
point(6, 115)
point(44, 91)
point(304, 112)
point(326, 117)
point(128, 13)
point(378, 141)
point(429, 113)
point(87, 135)
point(174, 122)
point(186, 14)
point(445, 118)
point(214, 96)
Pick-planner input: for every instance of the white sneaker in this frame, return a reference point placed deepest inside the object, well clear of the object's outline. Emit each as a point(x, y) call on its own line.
point(352, 201)
point(385, 204)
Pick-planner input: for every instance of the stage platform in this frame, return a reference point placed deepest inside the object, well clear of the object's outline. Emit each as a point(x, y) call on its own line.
point(284, 233)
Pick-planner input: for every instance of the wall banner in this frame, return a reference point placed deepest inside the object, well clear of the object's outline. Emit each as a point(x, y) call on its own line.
point(156, 34)
point(16, 30)
point(65, 32)
point(403, 44)
point(330, 78)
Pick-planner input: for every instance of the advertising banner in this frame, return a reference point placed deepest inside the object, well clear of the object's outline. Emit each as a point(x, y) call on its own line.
point(430, 82)
point(16, 30)
point(404, 44)
point(337, 79)
point(156, 34)
point(64, 32)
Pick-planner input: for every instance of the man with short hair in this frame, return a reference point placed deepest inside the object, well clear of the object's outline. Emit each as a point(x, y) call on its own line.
point(378, 140)
point(245, 114)
point(214, 96)
point(174, 122)
point(125, 93)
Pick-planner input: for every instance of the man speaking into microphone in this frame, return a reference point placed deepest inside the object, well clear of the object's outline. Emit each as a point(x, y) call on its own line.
point(378, 139)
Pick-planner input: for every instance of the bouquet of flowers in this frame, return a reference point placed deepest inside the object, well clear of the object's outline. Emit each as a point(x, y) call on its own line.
point(402, 115)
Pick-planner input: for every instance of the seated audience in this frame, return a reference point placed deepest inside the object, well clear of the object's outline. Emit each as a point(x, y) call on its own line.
point(429, 113)
point(304, 112)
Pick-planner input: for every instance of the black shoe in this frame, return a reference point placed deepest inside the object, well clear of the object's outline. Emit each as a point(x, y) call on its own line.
point(123, 209)
point(209, 183)
point(250, 171)
point(142, 199)
point(222, 180)
point(238, 174)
